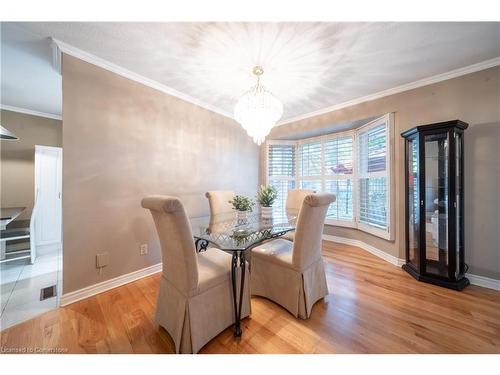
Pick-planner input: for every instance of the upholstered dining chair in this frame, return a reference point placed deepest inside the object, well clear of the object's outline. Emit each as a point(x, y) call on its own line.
point(294, 200)
point(195, 300)
point(219, 201)
point(289, 273)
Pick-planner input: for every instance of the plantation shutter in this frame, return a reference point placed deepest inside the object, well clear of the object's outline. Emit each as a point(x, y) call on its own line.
point(310, 166)
point(310, 159)
point(372, 176)
point(338, 155)
point(281, 161)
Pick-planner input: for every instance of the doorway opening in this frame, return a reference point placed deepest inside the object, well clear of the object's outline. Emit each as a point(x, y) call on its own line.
point(31, 176)
point(31, 259)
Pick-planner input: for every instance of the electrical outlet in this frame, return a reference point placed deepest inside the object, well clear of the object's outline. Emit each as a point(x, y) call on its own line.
point(101, 260)
point(144, 249)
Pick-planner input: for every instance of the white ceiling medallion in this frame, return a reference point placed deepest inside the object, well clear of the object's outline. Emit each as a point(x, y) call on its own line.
point(258, 110)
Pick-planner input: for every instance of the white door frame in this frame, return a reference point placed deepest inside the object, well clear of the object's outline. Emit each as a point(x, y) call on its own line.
point(59, 150)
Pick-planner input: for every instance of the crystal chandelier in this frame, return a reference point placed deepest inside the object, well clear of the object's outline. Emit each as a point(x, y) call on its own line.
point(258, 110)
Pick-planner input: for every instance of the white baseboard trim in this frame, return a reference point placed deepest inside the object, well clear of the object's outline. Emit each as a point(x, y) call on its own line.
point(363, 245)
point(482, 281)
point(92, 290)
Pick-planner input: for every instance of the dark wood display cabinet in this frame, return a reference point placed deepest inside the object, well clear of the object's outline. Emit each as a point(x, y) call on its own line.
point(434, 179)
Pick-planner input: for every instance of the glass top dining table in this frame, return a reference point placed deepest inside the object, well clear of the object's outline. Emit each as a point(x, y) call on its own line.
point(229, 232)
point(235, 234)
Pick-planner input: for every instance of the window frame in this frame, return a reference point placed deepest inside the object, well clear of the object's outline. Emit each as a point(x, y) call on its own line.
point(323, 177)
point(387, 233)
point(280, 178)
point(319, 177)
point(388, 119)
point(353, 177)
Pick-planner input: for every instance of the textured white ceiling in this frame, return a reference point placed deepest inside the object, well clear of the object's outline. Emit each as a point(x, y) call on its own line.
point(308, 66)
point(27, 77)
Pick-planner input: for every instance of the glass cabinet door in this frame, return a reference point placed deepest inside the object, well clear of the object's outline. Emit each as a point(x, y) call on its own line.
point(436, 203)
point(413, 203)
point(459, 271)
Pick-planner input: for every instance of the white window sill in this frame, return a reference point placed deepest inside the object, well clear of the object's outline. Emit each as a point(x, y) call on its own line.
point(361, 227)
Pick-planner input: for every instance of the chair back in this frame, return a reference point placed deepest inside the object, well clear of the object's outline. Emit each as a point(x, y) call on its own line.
point(309, 230)
point(219, 201)
point(180, 263)
point(295, 197)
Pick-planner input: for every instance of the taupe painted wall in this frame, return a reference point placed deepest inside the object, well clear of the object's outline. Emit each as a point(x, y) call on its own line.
point(123, 141)
point(18, 157)
point(473, 98)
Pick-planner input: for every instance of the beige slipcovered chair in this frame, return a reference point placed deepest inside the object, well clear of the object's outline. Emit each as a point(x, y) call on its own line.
point(292, 274)
point(195, 300)
point(294, 200)
point(219, 201)
point(295, 197)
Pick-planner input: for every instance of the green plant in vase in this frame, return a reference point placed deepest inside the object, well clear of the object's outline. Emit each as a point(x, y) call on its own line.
point(266, 196)
point(242, 205)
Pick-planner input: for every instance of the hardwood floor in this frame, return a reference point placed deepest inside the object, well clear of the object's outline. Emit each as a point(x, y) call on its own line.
point(373, 307)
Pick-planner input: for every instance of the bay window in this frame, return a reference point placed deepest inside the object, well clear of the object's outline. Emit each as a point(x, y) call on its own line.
point(354, 165)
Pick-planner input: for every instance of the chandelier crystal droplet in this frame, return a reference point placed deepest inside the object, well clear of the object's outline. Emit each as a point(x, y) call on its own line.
point(258, 110)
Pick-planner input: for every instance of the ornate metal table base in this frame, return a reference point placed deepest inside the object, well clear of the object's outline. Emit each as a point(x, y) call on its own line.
point(238, 255)
point(201, 245)
point(227, 233)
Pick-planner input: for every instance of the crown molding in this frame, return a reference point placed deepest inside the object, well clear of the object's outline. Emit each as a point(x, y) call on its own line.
point(30, 112)
point(92, 59)
point(56, 56)
point(398, 89)
point(62, 47)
